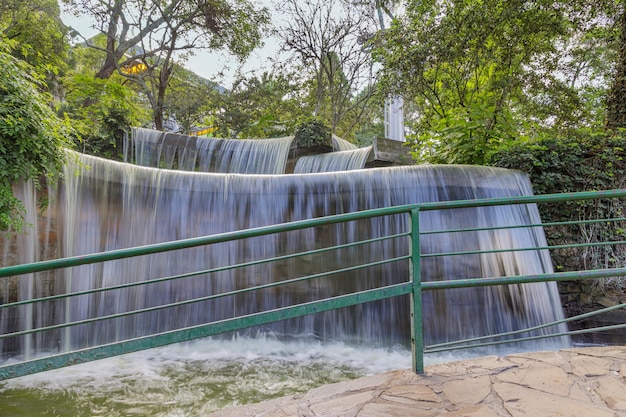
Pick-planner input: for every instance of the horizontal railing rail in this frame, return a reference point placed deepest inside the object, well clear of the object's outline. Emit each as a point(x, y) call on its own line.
point(412, 285)
point(56, 360)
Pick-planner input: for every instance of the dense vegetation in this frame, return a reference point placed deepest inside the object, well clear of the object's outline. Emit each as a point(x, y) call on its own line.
point(32, 138)
point(483, 74)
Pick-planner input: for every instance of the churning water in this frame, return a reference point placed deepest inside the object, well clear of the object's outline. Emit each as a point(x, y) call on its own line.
point(193, 378)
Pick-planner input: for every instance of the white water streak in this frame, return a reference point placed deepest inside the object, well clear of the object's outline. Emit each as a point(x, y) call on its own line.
point(244, 156)
point(333, 161)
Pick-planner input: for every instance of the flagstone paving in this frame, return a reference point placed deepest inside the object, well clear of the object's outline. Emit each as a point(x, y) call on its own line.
point(580, 382)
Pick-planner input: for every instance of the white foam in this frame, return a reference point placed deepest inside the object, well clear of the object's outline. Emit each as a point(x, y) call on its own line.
point(206, 375)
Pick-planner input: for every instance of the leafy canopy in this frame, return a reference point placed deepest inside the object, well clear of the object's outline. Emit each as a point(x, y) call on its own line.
point(482, 73)
point(36, 33)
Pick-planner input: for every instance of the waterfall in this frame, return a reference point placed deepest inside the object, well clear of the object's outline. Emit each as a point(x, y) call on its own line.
point(112, 205)
point(333, 161)
point(340, 144)
point(147, 146)
point(153, 148)
point(248, 156)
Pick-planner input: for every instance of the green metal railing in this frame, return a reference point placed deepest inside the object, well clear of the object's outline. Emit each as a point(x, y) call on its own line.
point(413, 286)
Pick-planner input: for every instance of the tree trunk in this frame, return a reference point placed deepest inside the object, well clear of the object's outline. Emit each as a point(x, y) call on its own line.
point(108, 68)
point(157, 115)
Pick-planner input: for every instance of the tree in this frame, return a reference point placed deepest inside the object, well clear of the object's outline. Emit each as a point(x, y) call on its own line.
point(32, 137)
point(190, 98)
point(35, 34)
point(157, 35)
point(328, 37)
point(483, 73)
point(371, 124)
point(111, 109)
point(269, 105)
point(102, 111)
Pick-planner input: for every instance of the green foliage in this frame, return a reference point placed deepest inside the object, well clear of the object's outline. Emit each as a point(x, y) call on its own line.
point(32, 137)
point(83, 59)
point(313, 132)
point(368, 130)
point(189, 98)
point(482, 72)
point(101, 112)
point(466, 136)
point(36, 33)
point(258, 107)
point(582, 161)
point(173, 31)
point(616, 101)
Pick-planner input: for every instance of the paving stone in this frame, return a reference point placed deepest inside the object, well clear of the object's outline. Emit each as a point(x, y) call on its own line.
point(588, 366)
point(359, 384)
point(474, 411)
point(581, 391)
point(287, 410)
point(581, 382)
point(616, 352)
point(345, 405)
point(419, 395)
point(553, 358)
point(484, 365)
point(539, 376)
point(394, 410)
point(521, 401)
point(613, 392)
point(467, 391)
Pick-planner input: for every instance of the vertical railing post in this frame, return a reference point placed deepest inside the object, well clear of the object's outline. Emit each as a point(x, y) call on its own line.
point(417, 323)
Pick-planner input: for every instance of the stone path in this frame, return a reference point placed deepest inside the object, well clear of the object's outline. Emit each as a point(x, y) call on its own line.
point(581, 382)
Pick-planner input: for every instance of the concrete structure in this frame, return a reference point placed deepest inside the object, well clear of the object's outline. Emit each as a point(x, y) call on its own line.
point(385, 152)
point(581, 382)
point(394, 118)
point(388, 152)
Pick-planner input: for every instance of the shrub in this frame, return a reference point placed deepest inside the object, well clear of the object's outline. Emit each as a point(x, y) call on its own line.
point(32, 137)
point(311, 133)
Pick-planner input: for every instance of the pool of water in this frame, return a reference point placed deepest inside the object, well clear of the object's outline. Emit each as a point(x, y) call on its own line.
point(193, 378)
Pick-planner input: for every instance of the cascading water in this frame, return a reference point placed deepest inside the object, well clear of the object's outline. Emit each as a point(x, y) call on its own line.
point(333, 161)
point(112, 205)
point(340, 144)
point(105, 205)
point(190, 153)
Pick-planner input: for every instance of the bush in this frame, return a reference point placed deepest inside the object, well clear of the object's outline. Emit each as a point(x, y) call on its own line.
point(32, 137)
point(580, 162)
point(312, 133)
